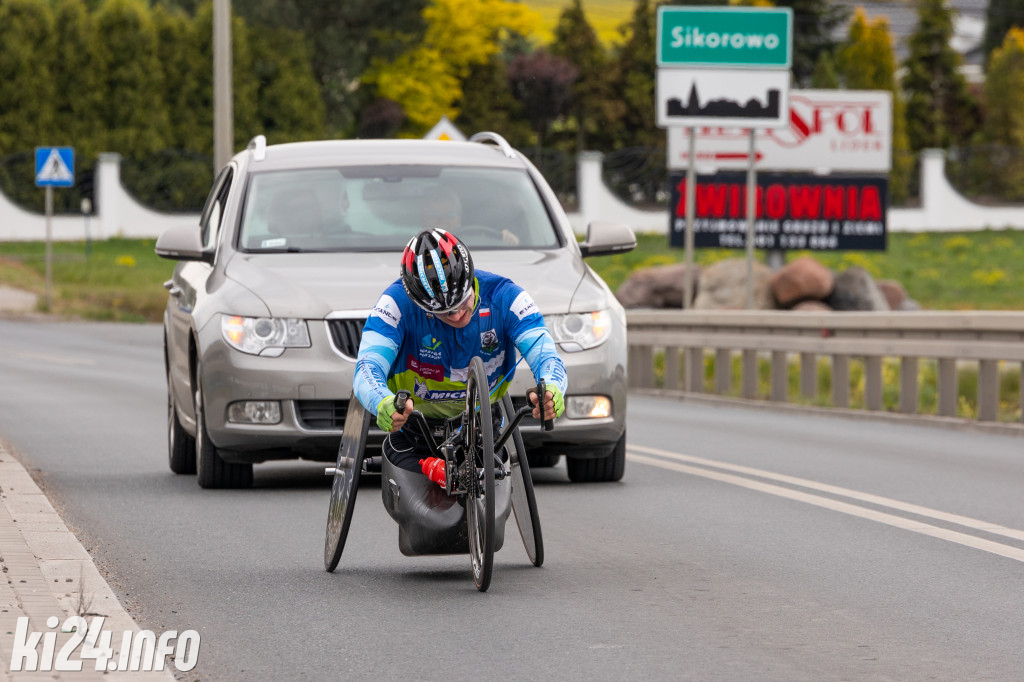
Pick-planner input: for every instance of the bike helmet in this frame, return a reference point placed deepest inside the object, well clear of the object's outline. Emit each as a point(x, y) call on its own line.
point(437, 271)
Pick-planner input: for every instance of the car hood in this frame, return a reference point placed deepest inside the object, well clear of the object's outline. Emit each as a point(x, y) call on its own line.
point(314, 285)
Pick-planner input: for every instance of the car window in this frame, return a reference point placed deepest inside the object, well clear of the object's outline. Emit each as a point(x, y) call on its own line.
point(213, 211)
point(379, 208)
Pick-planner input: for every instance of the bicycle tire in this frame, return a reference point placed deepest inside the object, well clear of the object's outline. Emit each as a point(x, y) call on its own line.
point(524, 500)
point(346, 483)
point(480, 496)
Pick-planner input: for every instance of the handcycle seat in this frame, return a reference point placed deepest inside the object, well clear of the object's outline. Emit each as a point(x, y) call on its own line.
point(431, 522)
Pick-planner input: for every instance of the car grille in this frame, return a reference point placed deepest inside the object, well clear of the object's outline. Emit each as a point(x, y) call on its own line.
point(322, 414)
point(345, 335)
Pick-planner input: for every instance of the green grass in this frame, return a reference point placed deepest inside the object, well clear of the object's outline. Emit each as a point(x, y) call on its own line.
point(122, 278)
point(927, 381)
point(941, 271)
point(604, 15)
point(119, 279)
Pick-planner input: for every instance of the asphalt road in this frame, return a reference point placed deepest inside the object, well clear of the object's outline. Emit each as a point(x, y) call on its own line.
point(741, 545)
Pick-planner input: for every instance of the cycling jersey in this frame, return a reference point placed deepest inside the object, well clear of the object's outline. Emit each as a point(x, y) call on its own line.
point(403, 347)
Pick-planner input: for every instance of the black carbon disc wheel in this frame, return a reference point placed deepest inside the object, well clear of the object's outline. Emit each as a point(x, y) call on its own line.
point(524, 501)
point(346, 483)
point(480, 500)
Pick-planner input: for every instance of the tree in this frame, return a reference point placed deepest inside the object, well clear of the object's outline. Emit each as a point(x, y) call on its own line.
point(289, 102)
point(243, 79)
point(427, 79)
point(1000, 17)
point(940, 110)
point(181, 63)
point(1004, 121)
point(593, 101)
point(543, 84)
point(488, 103)
point(133, 117)
point(815, 23)
point(344, 37)
point(632, 76)
point(27, 64)
point(867, 61)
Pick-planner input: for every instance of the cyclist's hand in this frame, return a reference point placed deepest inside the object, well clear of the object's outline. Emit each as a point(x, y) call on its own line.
point(390, 419)
point(554, 403)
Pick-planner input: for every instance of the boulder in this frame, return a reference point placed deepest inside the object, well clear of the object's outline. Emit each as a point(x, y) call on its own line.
point(803, 279)
point(855, 289)
point(660, 286)
point(811, 306)
point(894, 293)
point(724, 286)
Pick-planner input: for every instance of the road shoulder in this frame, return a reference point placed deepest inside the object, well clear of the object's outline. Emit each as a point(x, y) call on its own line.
point(47, 572)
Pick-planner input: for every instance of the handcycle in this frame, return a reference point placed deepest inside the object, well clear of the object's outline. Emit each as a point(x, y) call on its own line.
point(468, 515)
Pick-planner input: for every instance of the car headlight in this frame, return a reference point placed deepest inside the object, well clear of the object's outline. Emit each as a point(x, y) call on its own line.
point(266, 336)
point(579, 331)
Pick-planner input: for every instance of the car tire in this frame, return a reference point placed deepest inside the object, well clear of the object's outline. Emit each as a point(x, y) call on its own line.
point(213, 471)
point(181, 447)
point(601, 469)
point(542, 459)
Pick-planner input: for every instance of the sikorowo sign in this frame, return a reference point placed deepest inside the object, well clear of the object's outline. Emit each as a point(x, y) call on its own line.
point(793, 211)
point(755, 37)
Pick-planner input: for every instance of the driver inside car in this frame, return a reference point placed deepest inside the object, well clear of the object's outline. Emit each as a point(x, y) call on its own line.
point(428, 325)
point(442, 209)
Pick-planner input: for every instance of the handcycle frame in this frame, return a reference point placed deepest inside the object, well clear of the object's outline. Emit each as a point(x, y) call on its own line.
point(471, 469)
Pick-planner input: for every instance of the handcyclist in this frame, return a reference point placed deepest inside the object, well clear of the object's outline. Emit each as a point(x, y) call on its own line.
point(428, 325)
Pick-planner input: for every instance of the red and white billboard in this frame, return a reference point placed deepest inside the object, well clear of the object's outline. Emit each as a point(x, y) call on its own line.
point(829, 130)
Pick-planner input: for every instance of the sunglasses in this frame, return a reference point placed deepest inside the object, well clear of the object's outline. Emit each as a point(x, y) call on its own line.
point(465, 305)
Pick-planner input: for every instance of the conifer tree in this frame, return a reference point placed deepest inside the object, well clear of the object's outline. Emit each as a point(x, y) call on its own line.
point(940, 110)
point(867, 61)
point(27, 92)
point(593, 102)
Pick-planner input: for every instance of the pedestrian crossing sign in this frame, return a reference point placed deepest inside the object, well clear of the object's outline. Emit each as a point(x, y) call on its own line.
point(55, 166)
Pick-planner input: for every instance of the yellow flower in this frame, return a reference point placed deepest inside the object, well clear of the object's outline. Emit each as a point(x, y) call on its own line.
point(126, 261)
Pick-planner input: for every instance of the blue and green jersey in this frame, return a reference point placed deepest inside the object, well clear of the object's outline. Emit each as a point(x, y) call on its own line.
point(403, 347)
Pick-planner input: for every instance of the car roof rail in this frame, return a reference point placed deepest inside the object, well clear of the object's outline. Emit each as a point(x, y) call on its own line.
point(497, 139)
point(258, 145)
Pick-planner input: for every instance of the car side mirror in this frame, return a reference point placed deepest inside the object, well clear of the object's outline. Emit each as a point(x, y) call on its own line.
point(604, 238)
point(183, 242)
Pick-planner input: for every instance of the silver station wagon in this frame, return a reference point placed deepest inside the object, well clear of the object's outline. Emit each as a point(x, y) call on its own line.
point(295, 244)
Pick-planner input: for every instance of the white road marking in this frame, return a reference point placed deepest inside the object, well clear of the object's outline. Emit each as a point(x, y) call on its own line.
point(964, 539)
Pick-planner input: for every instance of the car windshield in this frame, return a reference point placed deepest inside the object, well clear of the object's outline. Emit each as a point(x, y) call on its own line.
point(379, 208)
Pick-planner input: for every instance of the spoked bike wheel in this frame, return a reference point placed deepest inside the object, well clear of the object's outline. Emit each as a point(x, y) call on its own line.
point(479, 440)
point(346, 483)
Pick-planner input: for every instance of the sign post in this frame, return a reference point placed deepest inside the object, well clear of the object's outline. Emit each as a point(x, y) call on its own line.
point(55, 167)
point(723, 67)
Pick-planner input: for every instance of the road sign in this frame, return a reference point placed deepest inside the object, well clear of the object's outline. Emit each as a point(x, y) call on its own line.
point(828, 130)
point(750, 37)
point(445, 130)
point(722, 97)
point(55, 167)
point(825, 213)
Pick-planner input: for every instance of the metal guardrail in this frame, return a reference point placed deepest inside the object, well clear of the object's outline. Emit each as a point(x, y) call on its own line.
point(993, 342)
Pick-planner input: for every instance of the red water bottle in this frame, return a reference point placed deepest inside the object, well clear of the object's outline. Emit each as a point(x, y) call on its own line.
point(433, 468)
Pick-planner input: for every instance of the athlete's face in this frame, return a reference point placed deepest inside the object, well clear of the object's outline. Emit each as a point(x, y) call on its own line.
point(461, 316)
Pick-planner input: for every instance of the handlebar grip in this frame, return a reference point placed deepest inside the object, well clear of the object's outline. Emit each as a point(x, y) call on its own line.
point(549, 424)
point(400, 399)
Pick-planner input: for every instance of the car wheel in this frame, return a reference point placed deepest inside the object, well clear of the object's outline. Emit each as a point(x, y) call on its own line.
point(540, 459)
point(213, 471)
point(181, 447)
point(600, 470)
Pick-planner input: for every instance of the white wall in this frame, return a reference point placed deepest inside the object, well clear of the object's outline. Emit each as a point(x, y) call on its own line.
point(942, 208)
point(119, 214)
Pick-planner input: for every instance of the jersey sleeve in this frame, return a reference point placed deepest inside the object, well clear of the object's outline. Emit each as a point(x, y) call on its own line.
point(378, 349)
point(532, 338)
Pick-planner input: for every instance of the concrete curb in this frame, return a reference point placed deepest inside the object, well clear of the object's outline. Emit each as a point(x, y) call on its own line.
point(47, 572)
